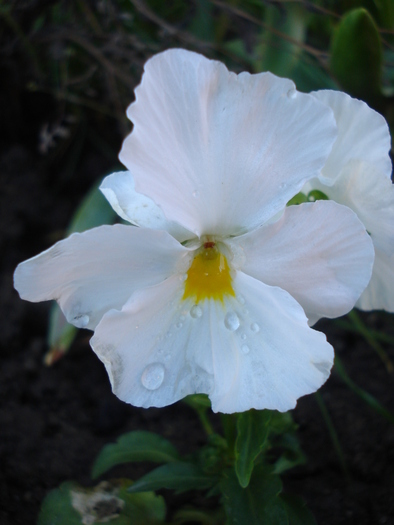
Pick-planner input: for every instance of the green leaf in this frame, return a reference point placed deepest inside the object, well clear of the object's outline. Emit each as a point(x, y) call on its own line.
point(72, 504)
point(296, 509)
point(253, 428)
point(93, 211)
point(132, 447)
point(258, 503)
point(356, 55)
point(176, 476)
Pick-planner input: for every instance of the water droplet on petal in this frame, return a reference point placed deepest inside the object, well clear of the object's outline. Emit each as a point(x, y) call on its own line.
point(255, 328)
point(282, 185)
point(231, 321)
point(153, 376)
point(182, 318)
point(179, 325)
point(245, 349)
point(292, 93)
point(196, 311)
point(243, 337)
point(80, 321)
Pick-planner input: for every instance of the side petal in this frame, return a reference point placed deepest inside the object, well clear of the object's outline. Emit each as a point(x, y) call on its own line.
point(318, 252)
point(254, 352)
point(362, 134)
point(89, 273)
point(133, 207)
point(219, 152)
point(370, 194)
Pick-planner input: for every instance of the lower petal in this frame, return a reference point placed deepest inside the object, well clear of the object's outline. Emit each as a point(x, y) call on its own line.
point(252, 351)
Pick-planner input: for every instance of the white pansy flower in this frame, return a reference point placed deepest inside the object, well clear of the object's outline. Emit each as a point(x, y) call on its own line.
point(208, 293)
point(357, 174)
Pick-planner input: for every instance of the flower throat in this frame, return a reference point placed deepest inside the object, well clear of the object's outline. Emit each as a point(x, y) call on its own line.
point(208, 276)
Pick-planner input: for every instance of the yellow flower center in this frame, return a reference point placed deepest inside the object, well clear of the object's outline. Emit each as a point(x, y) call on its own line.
point(208, 276)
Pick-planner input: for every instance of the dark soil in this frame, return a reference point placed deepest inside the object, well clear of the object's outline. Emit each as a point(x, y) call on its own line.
point(54, 421)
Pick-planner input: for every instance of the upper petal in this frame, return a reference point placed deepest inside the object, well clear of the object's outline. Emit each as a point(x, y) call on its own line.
point(252, 351)
point(136, 208)
point(219, 152)
point(89, 273)
point(362, 134)
point(320, 253)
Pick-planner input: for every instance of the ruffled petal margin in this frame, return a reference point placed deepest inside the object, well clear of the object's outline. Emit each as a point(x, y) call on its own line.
point(218, 152)
point(89, 273)
point(252, 351)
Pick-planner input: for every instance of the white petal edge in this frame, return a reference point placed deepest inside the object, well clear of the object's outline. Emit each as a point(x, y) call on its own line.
point(318, 252)
point(362, 134)
point(133, 207)
point(159, 348)
point(218, 152)
point(370, 194)
point(92, 272)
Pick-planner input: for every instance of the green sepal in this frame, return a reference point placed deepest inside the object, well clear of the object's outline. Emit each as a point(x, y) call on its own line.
point(297, 199)
point(109, 502)
point(356, 56)
point(179, 476)
point(316, 195)
point(135, 446)
point(252, 432)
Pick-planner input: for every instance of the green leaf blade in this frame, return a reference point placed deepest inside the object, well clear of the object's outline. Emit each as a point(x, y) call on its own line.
point(253, 429)
point(256, 504)
point(133, 447)
point(178, 476)
point(357, 57)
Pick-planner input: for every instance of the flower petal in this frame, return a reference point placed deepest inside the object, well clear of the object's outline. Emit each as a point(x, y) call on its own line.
point(89, 273)
point(254, 352)
point(362, 134)
point(136, 208)
point(219, 152)
point(320, 253)
point(370, 194)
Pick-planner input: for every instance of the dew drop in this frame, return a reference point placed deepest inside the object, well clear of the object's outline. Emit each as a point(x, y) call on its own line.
point(196, 311)
point(168, 334)
point(282, 185)
point(179, 325)
point(153, 376)
point(245, 349)
point(195, 193)
point(80, 321)
point(167, 357)
point(231, 321)
point(255, 328)
point(243, 337)
point(182, 318)
point(292, 93)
